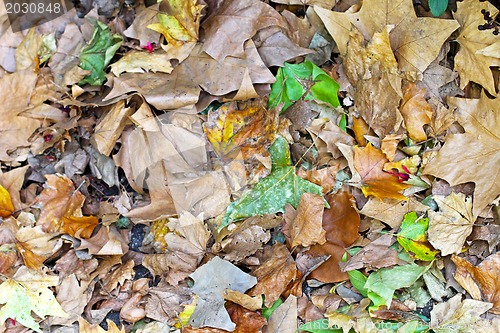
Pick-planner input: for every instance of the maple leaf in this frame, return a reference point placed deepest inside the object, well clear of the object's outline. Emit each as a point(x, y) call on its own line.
point(272, 193)
point(472, 61)
point(369, 163)
point(20, 298)
point(61, 208)
point(416, 41)
point(456, 315)
point(449, 227)
point(472, 156)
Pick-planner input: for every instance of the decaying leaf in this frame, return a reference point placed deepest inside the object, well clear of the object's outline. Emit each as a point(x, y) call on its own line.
point(456, 315)
point(306, 228)
point(416, 111)
point(284, 318)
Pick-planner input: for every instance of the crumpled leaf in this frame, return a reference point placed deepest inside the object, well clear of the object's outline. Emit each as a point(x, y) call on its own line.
point(369, 163)
point(450, 226)
point(210, 281)
point(20, 298)
point(471, 61)
point(86, 327)
point(179, 21)
point(272, 193)
point(304, 80)
point(391, 211)
point(416, 41)
point(98, 52)
point(456, 315)
point(412, 236)
point(6, 206)
point(476, 150)
point(483, 276)
point(383, 283)
point(35, 245)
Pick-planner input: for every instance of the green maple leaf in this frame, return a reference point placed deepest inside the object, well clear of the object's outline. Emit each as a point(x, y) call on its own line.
point(20, 300)
point(98, 52)
point(272, 193)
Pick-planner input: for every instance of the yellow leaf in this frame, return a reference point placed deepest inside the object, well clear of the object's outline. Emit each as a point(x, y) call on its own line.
point(6, 206)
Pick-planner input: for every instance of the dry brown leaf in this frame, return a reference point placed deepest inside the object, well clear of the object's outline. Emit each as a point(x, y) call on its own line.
point(331, 134)
point(61, 204)
point(166, 302)
point(110, 127)
point(484, 276)
point(276, 48)
point(369, 163)
point(323, 177)
point(73, 298)
point(107, 241)
point(139, 30)
point(274, 274)
point(248, 302)
point(416, 41)
point(246, 16)
point(452, 224)
point(244, 243)
point(17, 89)
point(471, 62)
point(389, 145)
point(416, 111)
point(373, 71)
point(118, 276)
point(140, 62)
point(472, 156)
point(306, 227)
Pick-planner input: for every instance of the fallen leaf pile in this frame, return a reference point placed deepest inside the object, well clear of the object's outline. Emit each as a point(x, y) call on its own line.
point(251, 166)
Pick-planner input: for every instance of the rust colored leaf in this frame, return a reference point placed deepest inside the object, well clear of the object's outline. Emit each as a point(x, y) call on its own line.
point(484, 276)
point(369, 163)
point(341, 223)
point(275, 273)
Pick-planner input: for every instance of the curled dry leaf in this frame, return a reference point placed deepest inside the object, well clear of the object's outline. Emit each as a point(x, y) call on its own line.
point(6, 206)
point(483, 277)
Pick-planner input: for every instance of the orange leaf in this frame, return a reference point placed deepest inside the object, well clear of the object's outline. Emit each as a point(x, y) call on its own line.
point(79, 226)
point(6, 206)
point(369, 163)
point(61, 204)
